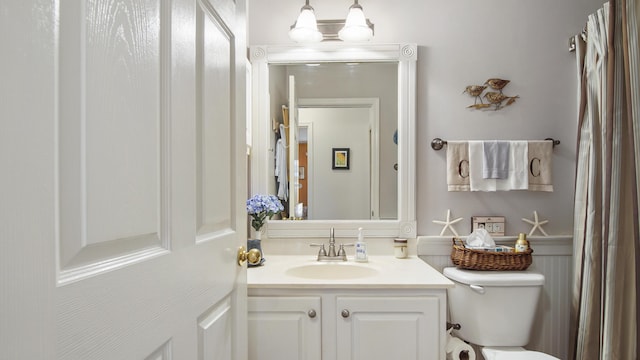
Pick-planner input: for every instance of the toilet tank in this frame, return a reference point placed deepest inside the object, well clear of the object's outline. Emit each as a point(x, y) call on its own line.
point(493, 308)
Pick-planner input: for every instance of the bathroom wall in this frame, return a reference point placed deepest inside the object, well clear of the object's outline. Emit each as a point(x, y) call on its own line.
point(462, 43)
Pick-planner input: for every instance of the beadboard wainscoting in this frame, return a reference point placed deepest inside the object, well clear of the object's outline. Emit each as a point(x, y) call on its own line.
point(552, 257)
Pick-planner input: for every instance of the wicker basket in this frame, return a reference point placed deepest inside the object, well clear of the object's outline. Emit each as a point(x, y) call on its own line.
point(472, 259)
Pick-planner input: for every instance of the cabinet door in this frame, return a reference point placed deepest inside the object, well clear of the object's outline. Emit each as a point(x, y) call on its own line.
point(374, 328)
point(284, 328)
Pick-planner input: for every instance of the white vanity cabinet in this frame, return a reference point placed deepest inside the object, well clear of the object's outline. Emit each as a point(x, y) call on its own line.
point(284, 328)
point(302, 309)
point(388, 327)
point(347, 324)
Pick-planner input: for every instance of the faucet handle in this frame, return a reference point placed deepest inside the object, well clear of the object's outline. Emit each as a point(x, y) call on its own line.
point(322, 251)
point(341, 251)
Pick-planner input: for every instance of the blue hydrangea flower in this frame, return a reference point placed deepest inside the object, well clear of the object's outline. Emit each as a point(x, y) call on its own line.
point(261, 207)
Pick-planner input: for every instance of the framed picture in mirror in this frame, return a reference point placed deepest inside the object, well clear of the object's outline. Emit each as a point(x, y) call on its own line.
point(340, 159)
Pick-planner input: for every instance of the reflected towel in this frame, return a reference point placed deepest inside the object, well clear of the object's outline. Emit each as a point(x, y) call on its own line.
point(495, 160)
point(458, 166)
point(539, 165)
point(281, 170)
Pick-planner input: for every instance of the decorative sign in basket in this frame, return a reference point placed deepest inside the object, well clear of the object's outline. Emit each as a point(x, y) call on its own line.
point(472, 259)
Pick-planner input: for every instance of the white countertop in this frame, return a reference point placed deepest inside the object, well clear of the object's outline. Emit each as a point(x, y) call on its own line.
point(391, 273)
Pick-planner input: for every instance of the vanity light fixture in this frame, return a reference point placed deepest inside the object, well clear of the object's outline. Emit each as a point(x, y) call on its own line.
point(357, 27)
point(307, 29)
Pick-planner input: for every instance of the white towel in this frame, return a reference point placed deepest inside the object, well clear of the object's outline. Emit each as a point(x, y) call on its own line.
point(477, 182)
point(281, 170)
point(518, 178)
point(495, 159)
point(281, 165)
point(518, 169)
point(283, 134)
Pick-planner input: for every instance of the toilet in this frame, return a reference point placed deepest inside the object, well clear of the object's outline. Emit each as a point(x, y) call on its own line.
point(496, 310)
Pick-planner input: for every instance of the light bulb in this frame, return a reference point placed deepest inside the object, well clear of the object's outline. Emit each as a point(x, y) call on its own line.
point(355, 28)
point(305, 29)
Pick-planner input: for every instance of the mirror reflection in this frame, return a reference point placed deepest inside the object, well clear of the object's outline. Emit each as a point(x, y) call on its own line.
point(335, 125)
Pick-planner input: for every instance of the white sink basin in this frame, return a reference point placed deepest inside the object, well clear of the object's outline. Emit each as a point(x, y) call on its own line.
point(332, 271)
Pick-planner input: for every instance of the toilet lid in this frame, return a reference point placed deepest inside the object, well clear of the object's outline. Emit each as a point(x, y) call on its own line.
point(494, 278)
point(515, 353)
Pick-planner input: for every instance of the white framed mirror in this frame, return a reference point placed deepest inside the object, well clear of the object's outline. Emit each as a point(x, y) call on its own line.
point(391, 194)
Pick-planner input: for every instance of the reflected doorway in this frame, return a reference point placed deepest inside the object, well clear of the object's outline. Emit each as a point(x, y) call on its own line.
point(334, 193)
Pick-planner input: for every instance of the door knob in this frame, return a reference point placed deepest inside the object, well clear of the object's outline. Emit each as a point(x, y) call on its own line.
point(345, 313)
point(312, 313)
point(253, 256)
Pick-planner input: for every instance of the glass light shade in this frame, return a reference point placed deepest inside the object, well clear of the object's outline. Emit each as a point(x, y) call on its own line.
point(355, 28)
point(305, 29)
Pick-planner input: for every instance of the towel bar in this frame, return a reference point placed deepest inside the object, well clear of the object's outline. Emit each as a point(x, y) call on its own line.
point(438, 143)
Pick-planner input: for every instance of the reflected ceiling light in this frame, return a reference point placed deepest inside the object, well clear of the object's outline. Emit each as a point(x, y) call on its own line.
point(357, 27)
point(305, 29)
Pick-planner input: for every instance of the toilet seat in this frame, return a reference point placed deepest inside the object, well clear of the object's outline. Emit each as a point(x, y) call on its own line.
point(514, 353)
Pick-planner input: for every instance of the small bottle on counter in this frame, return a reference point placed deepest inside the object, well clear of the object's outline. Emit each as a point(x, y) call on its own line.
point(361, 248)
point(400, 248)
point(522, 245)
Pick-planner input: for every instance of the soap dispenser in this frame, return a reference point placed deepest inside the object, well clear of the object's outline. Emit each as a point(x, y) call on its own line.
point(361, 248)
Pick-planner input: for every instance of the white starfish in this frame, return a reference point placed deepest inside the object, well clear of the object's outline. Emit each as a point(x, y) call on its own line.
point(448, 223)
point(537, 224)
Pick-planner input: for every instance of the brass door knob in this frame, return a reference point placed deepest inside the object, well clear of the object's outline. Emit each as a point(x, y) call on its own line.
point(253, 256)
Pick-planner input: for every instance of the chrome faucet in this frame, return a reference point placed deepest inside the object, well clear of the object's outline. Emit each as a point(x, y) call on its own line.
point(341, 254)
point(332, 244)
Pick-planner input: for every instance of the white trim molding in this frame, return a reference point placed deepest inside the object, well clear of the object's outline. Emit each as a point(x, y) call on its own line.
point(405, 55)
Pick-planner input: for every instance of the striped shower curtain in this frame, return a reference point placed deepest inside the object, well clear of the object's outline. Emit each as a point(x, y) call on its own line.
point(606, 273)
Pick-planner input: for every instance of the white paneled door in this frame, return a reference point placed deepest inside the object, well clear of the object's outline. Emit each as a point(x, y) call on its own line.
point(123, 179)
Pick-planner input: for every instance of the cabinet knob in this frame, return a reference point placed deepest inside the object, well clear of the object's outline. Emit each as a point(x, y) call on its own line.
point(345, 313)
point(312, 313)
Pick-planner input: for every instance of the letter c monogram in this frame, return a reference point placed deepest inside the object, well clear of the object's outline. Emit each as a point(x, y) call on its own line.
point(463, 168)
point(534, 167)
